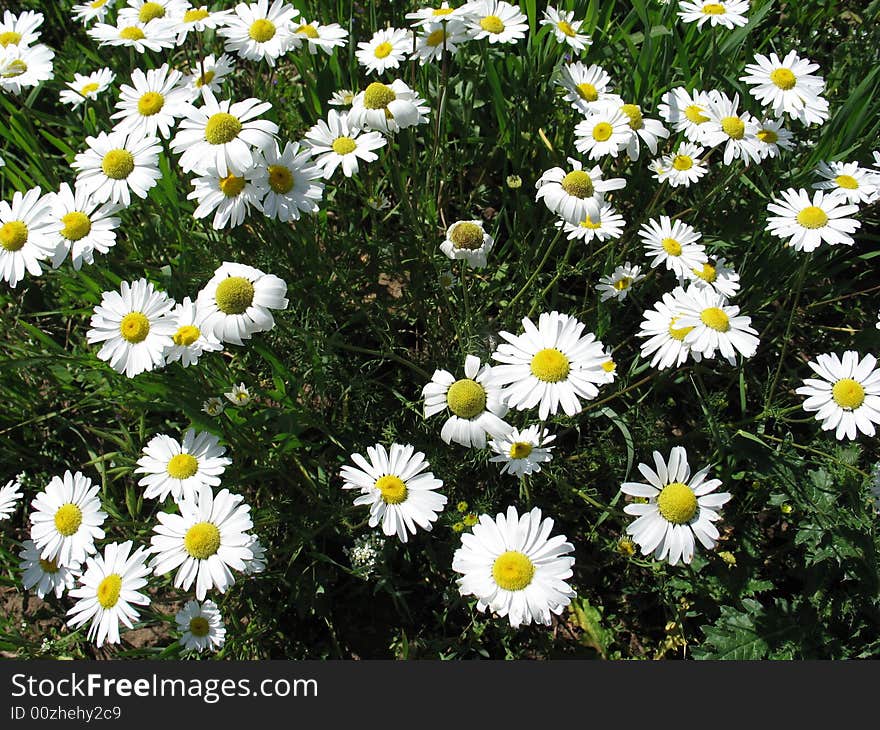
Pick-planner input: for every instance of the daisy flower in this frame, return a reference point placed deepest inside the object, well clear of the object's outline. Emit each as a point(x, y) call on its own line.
point(236, 302)
point(736, 131)
point(204, 541)
point(679, 508)
point(258, 32)
point(716, 324)
point(213, 406)
point(400, 493)
point(683, 167)
point(140, 36)
point(25, 235)
point(94, 10)
point(437, 39)
point(337, 142)
point(22, 67)
point(467, 241)
point(686, 111)
point(846, 396)
point(197, 19)
point(146, 11)
point(109, 590)
point(729, 13)
point(201, 626)
point(585, 86)
point(189, 341)
point(230, 197)
point(474, 402)
point(152, 104)
point(514, 568)
point(239, 395)
point(20, 30)
point(854, 183)
point(318, 36)
point(788, 86)
point(343, 97)
point(81, 226)
point(386, 49)
point(45, 576)
point(718, 276)
point(209, 73)
point(496, 20)
point(608, 224)
point(428, 16)
point(67, 518)
point(666, 337)
point(86, 87)
point(550, 365)
point(673, 244)
point(387, 108)
point(575, 195)
point(617, 285)
point(134, 326)
point(118, 164)
point(566, 28)
point(522, 452)
point(605, 131)
point(10, 494)
point(293, 182)
point(222, 134)
point(773, 137)
point(808, 223)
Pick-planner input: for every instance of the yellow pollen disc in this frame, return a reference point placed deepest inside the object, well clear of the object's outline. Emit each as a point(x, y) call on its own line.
point(118, 164)
point(715, 318)
point(467, 235)
point(231, 185)
point(16, 68)
point(131, 33)
point(378, 96)
point(714, 9)
point(76, 225)
point(68, 518)
point(587, 92)
point(768, 136)
point(513, 571)
point(623, 283)
point(847, 181)
point(262, 30)
point(383, 50)
point(344, 145)
point(680, 333)
point(466, 398)
point(134, 327)
point(609, 366)
point(734, 127)
point(695, 114)
point(682, 163)
point(677, 503)
point(89, 89)
point(708, 273)
point(234, 295)
point(205, 79)
point(48, 566)
point(195, 14)
point(492, 24)
point(13, 235)
point(520, 450)
point(783, 78)
point(186, 335)
point(202, 540)
point(150, 103)
point(442, 11)
point(578, 184)
point(199, 626)
point(95, 4)
point(848, 394)
point(182, 466)
point(308, 31)
point(635, 115)
point(550, 365)
point(591, 224)
point(221, 128)
point(436, 38)
point(109, 590)
point(393, 489)
point(150, 11)
point(671, 246)
point(566, 29)
point(812, 217)
point(280, 179)
point(9, 38)
point(602, 131)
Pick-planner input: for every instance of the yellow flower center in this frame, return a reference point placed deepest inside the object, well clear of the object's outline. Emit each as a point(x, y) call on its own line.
point(492, 24)
point(812, 217)
point(695, 114)
point(715, 318)
point(231, 185)
point(714, 9)
point(587, 92)
point(9, 38)
point(466, 398)
point(280, 179)
point(378, 96)
point(308, 31)
point(436, 38)
point(513, 571)
point(623, 283)
point(186, 335)
point(194, 15)
point(677, 503)
point(680, 333)
point(383, 50)
point(205, 79)
point(182, 466)
point(134, 327)
point(848, 394)
point(682, 163)
point(442, 11)
point(221, 128)
point(48, 566)
point(708, 273)
point(550, 365)
point(344, 145)
point(262, 30)
point(467, 235)
point(783, 78)
point(16, 68)
point(202, 540)
point(734, 127)
point(89, 88)
point(609, 366)
point(392, 488)
point(671, 246)
point(150, 11)
point(566, 28)
point(520, 450)
point(131, 33)
point(847, 181)
point(635, 115)
point(578, 184)
point(602, 131)
point(768, 136)
point(13, 235)
point(68, 518)
point(76, 225)
point(591, 224)
point(109, 590)
point(150, 103)
point(199, 626)
point(234, 295)
point(95, 4)
point(118, 164)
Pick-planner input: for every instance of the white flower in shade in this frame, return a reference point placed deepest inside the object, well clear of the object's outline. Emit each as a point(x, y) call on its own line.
point(25, 235)
point(437, 39)
point(680, 509)
point(586, 86)
point(10, 495)
point(134, 326)
point(617, 285)
point(222, 134)
point(23, 67)
point(496, 20)
point(605, 131)
point(81, 227)
point(45, 576)
point(140, 36)
point(66, 519)
point(683, 167)
point(293, 182)
point(566, 28)
point(474, 402)
point(666, 337)
point(738, 132)
point(257, 564)
point(259, 32)
point(190, 341)
point(467, 241)
point(152, 104)
point(147, 11)
point(201, 626)
point(514, 568)
point(20, 30)
point(388, 108)
point(729, 13)
point(337, 142)
point(773, 138)
point(854, 183)
point(686, 111)
point(674, 244)
point(318, 36)
point(608, 224)
point(198, 20)
point(239, 395)
point(86, 87)
point(237, 301)
point(788, 86)
point(550, 365)
point(209, 73)
point(181, 468)
point(522, 452)
point(808, 223)
point(846, 396)
point(400, 493)
point(386, 49)
point(204, 541)
point(575, 195)
point(643, 129)
point(117, 165)
point(213, 406)
point(717, 325)
point(94, 10)
point(343, 97)
point(718, 276)
point(428, 16)
point(229, 197)
point(109, 588)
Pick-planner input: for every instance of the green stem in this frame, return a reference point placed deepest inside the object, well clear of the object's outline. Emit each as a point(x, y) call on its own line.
point(785, 340)
point(519, 295)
